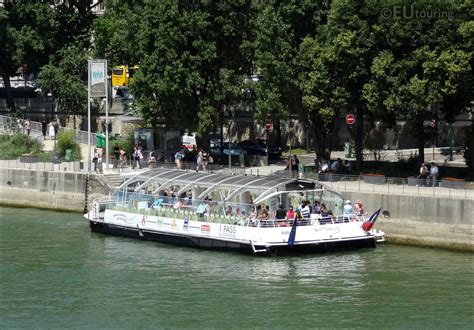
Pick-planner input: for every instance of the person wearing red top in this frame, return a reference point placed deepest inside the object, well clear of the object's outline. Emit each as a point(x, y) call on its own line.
point(290, 215)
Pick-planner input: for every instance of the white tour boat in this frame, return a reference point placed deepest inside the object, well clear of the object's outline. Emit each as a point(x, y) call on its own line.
point(230, 212)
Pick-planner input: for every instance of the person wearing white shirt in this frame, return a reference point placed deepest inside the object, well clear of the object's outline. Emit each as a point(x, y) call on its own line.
point(433, 173)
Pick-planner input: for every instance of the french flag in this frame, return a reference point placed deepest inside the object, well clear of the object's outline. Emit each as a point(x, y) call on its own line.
point(368, 224)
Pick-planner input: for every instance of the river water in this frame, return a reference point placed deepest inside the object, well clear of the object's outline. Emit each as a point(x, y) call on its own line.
point(55, 273)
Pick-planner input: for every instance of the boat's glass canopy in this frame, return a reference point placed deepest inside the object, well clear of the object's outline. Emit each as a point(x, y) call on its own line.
point(223, 187)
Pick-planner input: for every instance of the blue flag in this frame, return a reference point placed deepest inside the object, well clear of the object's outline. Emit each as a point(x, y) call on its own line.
point(291, 238)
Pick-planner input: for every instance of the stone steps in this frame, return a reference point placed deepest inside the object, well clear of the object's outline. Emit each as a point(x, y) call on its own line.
point(113, 180)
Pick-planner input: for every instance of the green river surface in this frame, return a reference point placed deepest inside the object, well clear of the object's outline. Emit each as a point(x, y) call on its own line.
point(55, 273)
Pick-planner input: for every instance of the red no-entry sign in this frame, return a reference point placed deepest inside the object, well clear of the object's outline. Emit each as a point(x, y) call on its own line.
point(350, 119)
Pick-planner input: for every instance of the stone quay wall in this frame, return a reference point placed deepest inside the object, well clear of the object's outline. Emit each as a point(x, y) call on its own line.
point(422, 220)
point(46, 189)
point(411, 220)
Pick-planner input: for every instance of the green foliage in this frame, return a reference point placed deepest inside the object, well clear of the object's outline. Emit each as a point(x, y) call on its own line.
point(13, 146)
point(66, 140)
point(193, 57)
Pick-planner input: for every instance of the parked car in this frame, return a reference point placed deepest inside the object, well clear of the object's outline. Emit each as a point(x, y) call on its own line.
point(259, 147)
point(215, 138)
point(235, 150)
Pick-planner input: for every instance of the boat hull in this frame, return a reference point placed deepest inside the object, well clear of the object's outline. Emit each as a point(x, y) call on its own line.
point(212, 243)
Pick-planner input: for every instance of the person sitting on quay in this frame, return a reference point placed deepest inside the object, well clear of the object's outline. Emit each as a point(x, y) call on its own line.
point(336, 166)
point(423, 173)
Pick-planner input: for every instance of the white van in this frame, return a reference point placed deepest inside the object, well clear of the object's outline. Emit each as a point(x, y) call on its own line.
point(189, 140)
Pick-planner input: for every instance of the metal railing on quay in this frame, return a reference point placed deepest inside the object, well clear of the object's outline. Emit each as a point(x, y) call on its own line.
point(389, 185)
point(72, 166)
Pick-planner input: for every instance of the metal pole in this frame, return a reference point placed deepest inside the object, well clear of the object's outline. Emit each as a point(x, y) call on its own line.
point(106, 118)
point(289, 164)
point(89, 117)
point(230, 163)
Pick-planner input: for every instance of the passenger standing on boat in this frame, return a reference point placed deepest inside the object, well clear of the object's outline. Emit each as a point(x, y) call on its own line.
point(359, 210)
point(305, 210)
point(348, 211)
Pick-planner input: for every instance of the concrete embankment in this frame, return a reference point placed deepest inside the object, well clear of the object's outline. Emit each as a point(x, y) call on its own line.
point(415, 220)
point(421, 220)
point(46, 189)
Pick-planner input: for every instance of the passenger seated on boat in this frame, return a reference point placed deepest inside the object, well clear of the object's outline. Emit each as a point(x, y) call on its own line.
point(325, 215)
point(290, 215)
point(299, 217)
point(317, 207)
point(201, 209)
point(229, 211)
point(359, 210)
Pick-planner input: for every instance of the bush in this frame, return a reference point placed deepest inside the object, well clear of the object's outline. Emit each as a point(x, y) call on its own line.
point(13, 146)
point(66, 140)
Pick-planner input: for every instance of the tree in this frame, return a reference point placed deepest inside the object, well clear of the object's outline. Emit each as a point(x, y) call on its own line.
point(339, 57)
point(423, 62)
point(27, 33)
point(192, 58)
point(281, 28)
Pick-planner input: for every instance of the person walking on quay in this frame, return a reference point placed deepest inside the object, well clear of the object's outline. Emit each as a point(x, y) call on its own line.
point(95, 159)
point(295, 162)
point(137, 156)
point(178, 159)
point(51, 131)
point(28, 126)
point(116, 155)
point(44, 128)
point(433, 176)
point(199, 160)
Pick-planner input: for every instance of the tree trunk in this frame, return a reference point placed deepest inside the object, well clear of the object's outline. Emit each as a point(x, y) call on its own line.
point(420, 139)
point(359, 138)
point(320, 147)
point(471, 149)
point(8, 89)
point(277, 132)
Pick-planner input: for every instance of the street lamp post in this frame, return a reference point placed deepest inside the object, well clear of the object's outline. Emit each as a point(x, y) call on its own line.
point(289, 144)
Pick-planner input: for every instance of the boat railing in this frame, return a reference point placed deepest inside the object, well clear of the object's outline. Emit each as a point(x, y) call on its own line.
point(212, 211)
